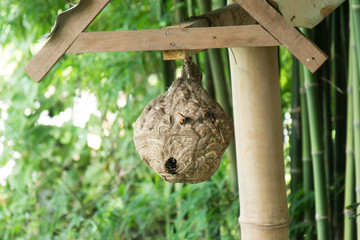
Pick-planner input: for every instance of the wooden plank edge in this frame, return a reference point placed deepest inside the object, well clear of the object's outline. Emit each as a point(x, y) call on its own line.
point(173, 39)
point(298, 44)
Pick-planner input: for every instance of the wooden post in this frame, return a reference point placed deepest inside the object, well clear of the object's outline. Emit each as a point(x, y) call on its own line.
point(259, 143)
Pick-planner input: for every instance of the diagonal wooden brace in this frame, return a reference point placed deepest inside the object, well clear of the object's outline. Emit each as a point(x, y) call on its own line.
point(70, 28)
point(291, 38)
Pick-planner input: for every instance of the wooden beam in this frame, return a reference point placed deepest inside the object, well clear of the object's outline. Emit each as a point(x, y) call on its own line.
point(300, 46)
point(173, 39)
point(73, 23)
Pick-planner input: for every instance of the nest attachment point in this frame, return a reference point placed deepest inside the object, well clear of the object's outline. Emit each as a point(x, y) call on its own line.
point(183, 133)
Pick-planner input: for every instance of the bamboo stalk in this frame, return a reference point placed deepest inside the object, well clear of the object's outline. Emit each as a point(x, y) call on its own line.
point(179, 10)
point(355, 11)
point(219, 80)
point(349, 223)
point(317, 152)
point(324, 105)
point(308, 183)
point(259, 142)
point(295, 138)
point(344, 31)
point(168, 67)
point(327, 141)
point(355, 19)
point(209, 82)
point(338, 76)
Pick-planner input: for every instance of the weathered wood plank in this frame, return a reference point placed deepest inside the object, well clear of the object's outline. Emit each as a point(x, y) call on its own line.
point(71, 26)
point(301, 47)
point(173, 39)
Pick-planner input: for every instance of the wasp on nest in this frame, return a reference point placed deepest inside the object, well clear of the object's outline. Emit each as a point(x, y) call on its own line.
point(183, 133)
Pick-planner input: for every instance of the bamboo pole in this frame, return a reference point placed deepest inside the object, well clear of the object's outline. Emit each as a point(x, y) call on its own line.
point(317, 152)
point(168, 67)
point(319, 87)
point(209, 82)
point(295, 138)
point(338, 78)
point(296, 183)
point(355, 19)
point(355, 12)
point(179, 10)
point(344, 31)
point(308, 183)
point(349, 223)
point(259, 143)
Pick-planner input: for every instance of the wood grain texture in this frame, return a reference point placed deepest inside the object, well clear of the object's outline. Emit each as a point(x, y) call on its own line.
point(75, 22)
point(300, 46)
point(173, 39)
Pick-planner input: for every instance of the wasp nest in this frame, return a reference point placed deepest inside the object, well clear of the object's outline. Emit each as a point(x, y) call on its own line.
point(183, 133)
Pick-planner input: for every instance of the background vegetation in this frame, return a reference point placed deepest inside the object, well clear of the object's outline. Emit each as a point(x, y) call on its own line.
point(75, 172)
point(68, 140)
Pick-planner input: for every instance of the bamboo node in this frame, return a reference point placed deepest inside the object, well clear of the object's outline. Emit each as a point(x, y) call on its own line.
point(318, 152)
point(349, 90)
point(357, 189)
point(349, 151)
point(301, 90)
point(356, 123)
point(310, 84)
point(309, 221)
point(306, 159)
point(349, 212)
point(280, 223)
point(319, 218)
point(355, 6)
point(295, 170)
point(295, 110)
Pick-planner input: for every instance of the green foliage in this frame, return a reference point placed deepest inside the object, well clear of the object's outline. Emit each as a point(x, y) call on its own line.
point(298, 203)
point(285, 61)
point(65, 187)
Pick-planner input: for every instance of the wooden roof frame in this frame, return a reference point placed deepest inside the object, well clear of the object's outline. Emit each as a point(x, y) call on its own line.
point(222, 28)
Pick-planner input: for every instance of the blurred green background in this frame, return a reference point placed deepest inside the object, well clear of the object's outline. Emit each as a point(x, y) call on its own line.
point(68, 165)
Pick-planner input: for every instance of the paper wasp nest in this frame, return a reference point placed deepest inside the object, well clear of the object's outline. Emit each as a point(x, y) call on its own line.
point(183, 133)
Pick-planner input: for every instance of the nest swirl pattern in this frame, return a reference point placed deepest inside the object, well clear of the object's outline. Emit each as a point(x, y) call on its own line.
point(183, 133)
